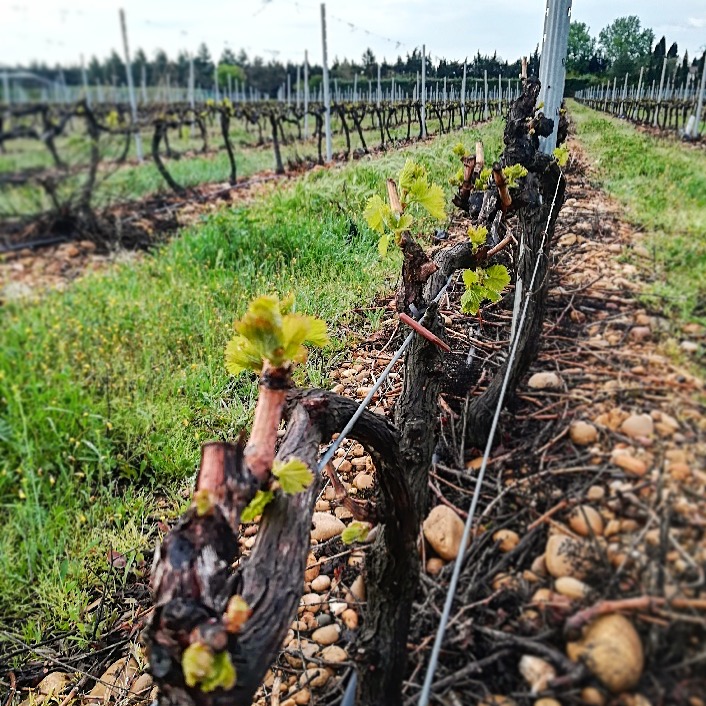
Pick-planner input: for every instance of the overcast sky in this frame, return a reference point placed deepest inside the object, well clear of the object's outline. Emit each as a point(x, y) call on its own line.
point(60, 31)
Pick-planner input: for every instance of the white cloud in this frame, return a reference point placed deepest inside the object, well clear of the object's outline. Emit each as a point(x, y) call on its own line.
point(697, 22)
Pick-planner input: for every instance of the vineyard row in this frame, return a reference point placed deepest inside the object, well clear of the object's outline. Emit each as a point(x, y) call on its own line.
point(212, 125)
point(669, 106)
point(673, 115)
point(396, 90)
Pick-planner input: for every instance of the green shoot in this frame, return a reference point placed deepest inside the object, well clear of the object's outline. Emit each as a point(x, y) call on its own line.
point(203, 502)
point(481, 285)
point(382, 219)
point(237, 614)
point(482, 182)
point(478, 236)
point(270, 332)
point(112, 120)
point(415, 189)
point(256, 506)
point(512, 174)
point(561, 155)
point(460, 151)
point(210, 671)
point(293, 475)
point(355, 532)
point(457, 178)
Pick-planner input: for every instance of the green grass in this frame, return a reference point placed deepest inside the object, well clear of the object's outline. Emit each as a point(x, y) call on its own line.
point(662, 185)
point(108, 389)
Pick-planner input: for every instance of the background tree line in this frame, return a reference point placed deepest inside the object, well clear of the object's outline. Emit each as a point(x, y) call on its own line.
point(624, 46)
point(268, 76)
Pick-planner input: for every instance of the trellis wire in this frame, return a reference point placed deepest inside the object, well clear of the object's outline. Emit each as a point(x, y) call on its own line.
point(371, 393)
point(433, 660)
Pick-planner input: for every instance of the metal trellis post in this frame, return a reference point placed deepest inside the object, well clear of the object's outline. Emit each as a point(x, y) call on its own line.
point(131, 87)
point(306, 94)
point(660, 95)
point(327, 96)
point(552, 66)
point(424, 90)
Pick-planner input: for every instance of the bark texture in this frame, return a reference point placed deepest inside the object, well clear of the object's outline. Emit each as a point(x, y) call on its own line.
point(193, 576)
point(538, 203)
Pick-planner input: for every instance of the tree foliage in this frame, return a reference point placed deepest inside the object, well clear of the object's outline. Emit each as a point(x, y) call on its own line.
point(236, 73)
point(626, 44)
point(582, 46)
point(268, 76)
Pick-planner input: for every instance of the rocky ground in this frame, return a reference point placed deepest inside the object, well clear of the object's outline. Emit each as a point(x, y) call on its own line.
point(584, 583)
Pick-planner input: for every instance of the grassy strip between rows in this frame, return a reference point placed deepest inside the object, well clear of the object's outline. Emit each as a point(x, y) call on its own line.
point(108, 389)
point(662, 185)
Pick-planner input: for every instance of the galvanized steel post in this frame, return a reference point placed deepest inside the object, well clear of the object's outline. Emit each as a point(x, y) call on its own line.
point(131, 87)
point(424, 90)
point(306, 94)
point(552, 67)
point(327, 97)
point(700, 104)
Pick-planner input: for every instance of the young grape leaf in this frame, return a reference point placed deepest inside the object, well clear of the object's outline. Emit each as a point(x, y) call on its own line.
point(293, 475)
point(402, 223)
point(298, 329)
point(355, 532)
point(256, 506)
point(497, 278)
point(196, 663)
point(471, 299)
point(411, 173)
point(429, 196)
point(377, 214)
point(478, 236)
point(221, 674)
point(242, 355)
point(470, 278)
point(383, 244)
point(460, 151)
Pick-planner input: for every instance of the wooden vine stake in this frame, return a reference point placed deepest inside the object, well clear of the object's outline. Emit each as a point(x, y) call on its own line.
point(500, 182)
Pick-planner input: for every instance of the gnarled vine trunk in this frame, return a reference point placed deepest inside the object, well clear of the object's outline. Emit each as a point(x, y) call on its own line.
point(198, 570)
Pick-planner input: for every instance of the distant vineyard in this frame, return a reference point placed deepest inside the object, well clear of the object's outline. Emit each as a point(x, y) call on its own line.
point(663, 105)
point(672, 115)
point(57, 159)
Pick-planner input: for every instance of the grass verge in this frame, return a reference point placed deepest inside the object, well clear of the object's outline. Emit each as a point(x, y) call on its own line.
point(662, 185)
point(107, 390)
